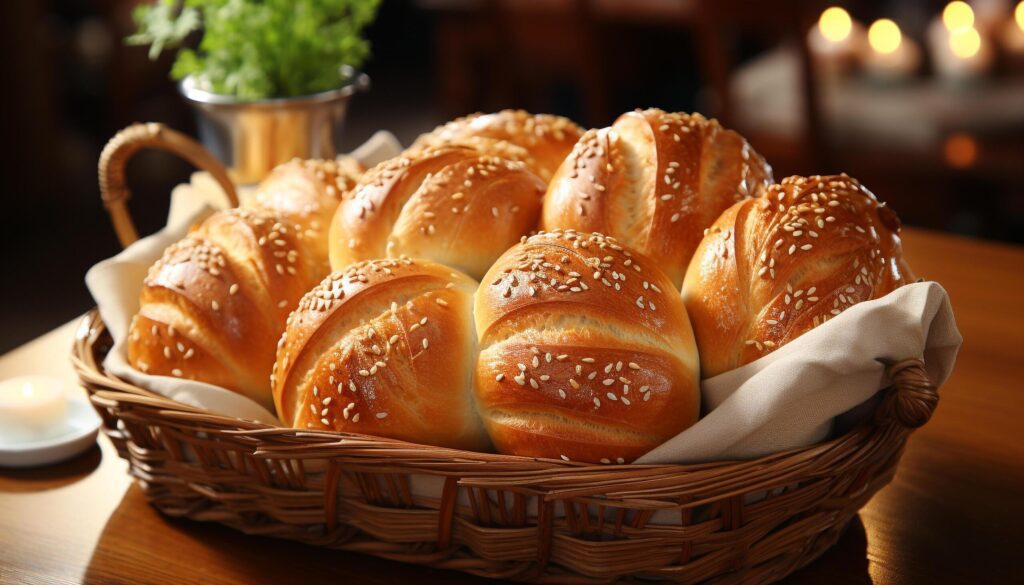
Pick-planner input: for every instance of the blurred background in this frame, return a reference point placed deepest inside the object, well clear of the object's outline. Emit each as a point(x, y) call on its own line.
point(928, 113)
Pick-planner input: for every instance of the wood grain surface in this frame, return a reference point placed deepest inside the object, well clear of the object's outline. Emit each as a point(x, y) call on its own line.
point(954, 513)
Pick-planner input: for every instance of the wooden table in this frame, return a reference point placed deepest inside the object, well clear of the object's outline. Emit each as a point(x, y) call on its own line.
point(954, 513)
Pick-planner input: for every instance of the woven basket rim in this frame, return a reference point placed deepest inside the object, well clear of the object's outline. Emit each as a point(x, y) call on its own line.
point(92, 327)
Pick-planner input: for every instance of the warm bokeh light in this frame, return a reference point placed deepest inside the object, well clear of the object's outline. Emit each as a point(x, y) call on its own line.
point(835, 24)
point(957, 15)
point(965, 42)
point(960, 150)
point(884, 36)
point(1018, 14)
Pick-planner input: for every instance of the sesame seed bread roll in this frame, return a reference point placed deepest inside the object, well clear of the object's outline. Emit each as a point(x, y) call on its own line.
point(655, 181)
point(586, 352)
point(307, 192)
point(547, 139)
point(488, 146)
point(450, 204)
point(213, 307)
point(774, 267)
point(385, 348)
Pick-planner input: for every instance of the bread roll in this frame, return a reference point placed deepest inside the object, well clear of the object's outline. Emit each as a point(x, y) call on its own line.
point(486, 146)
point(213, 307)
point(655, 181)
point(586, 352)
point(307, 192)
point(449, 204)
point(384, 348)
point(546, 139)
point(772, 268)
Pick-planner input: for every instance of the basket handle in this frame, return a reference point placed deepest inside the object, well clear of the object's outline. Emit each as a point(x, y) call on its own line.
point(124, 145)
point(913, 397)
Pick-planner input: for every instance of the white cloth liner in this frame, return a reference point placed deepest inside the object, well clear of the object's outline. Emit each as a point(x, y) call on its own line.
point(786, 399)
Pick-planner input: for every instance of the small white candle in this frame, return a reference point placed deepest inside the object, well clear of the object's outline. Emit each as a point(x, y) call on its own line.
point(835, 40)
point(891, 56)
point(959, 51)
point(31, 408)
point(1013, 33)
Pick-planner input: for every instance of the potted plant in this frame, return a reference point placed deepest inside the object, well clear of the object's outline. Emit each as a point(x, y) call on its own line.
point(270, 79)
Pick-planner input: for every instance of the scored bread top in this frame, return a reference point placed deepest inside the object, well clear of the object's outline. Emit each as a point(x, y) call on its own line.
point(654, 180)
point(774, 267)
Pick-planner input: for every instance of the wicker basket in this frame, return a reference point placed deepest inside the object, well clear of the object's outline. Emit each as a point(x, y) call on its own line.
point(537, 520)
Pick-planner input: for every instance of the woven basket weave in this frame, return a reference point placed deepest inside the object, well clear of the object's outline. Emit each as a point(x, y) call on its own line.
point(537, 520)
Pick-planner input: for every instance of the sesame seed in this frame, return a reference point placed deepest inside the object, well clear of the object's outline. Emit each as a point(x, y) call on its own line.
point(441, 302)
point(499, 377)
point(355, 418)
point(382, 415)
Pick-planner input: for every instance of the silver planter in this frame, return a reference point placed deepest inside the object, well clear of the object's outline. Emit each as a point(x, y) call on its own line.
point(252, 137)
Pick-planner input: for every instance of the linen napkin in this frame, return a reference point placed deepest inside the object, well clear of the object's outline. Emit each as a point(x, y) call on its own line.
point(790, 397)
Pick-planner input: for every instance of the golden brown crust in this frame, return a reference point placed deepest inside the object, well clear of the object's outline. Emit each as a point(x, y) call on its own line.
point(307, 192)
point(545, 138)
point(213, 307)
point(384, 348)
point(774, 267)
point(586, 351)
point(655, 181)
point(436, 205)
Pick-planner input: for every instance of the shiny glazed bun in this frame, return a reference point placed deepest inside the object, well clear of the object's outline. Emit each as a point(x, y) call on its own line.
point(774, 267)
point(449, 204)
point(545, 138)
point(385, 348)
point(586, 352)
point(213, 307)
point(655, 181)
point(307, 192)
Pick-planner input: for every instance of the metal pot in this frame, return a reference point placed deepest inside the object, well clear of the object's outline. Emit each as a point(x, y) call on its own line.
point(252, 137)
